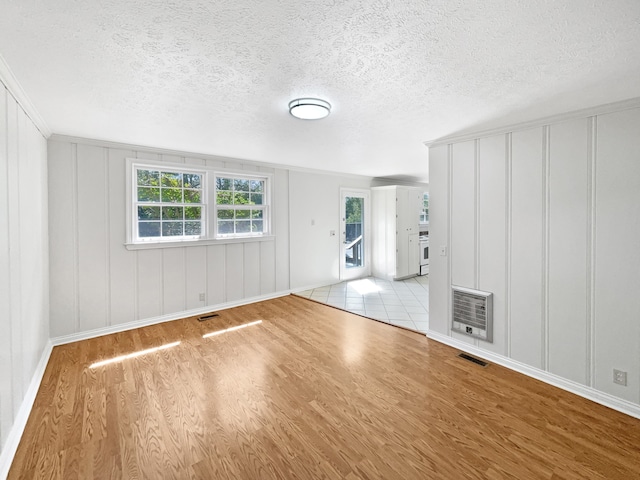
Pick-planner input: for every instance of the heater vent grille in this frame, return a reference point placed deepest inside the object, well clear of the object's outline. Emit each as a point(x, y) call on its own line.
point(472, 313)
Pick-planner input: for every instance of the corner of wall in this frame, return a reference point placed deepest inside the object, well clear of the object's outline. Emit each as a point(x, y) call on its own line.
point(13, 86)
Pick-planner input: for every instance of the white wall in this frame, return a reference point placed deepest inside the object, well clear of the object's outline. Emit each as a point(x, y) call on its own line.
point(24, 262)
point(315, 211)
point(546, 218)
point(97, 283)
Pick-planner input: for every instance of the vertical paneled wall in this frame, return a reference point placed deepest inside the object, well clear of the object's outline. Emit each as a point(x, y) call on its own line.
point(96, 282)
point(24, 261)
point(492, 223)
point(548, 220)
point(615, 341)
point(526, 231)
point(463, 218)
point(439, 245)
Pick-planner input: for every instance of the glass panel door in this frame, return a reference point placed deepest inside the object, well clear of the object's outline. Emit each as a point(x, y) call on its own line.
point(354, 217)
point(354, 248)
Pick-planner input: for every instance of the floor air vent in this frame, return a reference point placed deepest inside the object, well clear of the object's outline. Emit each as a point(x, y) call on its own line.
point(207, 316)
point(475, 360)
point(472, 313)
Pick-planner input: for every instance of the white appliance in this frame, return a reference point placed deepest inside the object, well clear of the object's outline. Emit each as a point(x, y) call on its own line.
point(423, 241)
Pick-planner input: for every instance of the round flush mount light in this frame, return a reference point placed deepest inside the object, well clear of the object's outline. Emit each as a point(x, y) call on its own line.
point(309, 108)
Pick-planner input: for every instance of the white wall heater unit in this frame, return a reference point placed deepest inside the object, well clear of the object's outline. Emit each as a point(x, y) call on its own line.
point(472, 313)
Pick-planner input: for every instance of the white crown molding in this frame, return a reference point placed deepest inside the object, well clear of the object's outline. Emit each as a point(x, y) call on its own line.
point(20, 421)
point(562, 117)
point(11, 83)
point(619, 404)
point(56, 137)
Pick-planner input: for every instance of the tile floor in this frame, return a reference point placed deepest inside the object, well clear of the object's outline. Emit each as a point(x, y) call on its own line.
point(404, 303)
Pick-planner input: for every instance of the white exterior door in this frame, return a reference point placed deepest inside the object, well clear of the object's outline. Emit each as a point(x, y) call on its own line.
point(355, 228)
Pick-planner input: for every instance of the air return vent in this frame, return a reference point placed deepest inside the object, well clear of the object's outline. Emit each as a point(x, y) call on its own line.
point(472, 313)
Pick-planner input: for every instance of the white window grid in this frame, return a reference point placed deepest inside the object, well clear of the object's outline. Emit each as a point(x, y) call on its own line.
point(138, 203)
point(263, 207)
point(208, 204)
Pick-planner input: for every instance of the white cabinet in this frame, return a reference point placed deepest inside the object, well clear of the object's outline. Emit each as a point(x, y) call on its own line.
point(395, 214)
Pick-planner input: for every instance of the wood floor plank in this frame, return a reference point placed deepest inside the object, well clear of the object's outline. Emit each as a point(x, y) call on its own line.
point(311, 392)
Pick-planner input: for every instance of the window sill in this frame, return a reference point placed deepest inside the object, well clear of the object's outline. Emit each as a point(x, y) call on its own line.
point(197, 243)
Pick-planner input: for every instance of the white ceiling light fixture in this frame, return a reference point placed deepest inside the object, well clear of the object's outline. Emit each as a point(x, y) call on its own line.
point(309, 108)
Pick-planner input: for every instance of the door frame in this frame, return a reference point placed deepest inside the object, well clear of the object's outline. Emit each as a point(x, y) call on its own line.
point(365, 270)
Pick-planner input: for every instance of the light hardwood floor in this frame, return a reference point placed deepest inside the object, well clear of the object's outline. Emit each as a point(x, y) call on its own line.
point(311, 392)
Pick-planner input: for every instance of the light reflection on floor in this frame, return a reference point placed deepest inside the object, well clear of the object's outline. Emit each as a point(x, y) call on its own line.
point(231, 329)
point(404, 303)
point(139, 353)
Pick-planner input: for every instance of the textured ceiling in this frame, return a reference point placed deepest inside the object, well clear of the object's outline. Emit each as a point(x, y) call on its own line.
point(216, 76)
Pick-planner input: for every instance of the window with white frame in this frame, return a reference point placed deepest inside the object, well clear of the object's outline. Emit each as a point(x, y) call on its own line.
point(241, 207)
point(170, 203)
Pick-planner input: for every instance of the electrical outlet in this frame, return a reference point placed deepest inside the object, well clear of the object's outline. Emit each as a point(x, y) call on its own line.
point(443, 251)
point(202, 297)
point(619, 377)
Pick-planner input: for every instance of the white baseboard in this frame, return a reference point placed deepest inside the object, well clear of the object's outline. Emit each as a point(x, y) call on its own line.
point(589, 393)
point(20, 422)
point(99, 332)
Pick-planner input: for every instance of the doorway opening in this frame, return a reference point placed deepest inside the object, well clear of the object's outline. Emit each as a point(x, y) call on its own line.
point(355, 256)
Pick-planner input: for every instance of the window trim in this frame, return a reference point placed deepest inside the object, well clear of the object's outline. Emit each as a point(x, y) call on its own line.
point(209, 235)
point(265, 207)
point(134, 224)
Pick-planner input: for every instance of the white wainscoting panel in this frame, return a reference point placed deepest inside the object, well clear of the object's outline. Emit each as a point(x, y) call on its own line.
point(281, 223)
point(463, 219)
point(439, 265)
point(234, 271)
point(527, 195)
point(6, 394)
point(267, 281)
point(492, 237)
point(62, 239)
point(92, 236)
point(251, 274)
point(195, 276)
point(568, 239)
point(149, 283)
point(123, 301)
point(24, 267)
point(174, 280)
point(216, 276)
point(555, 238)
point(617, 253)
